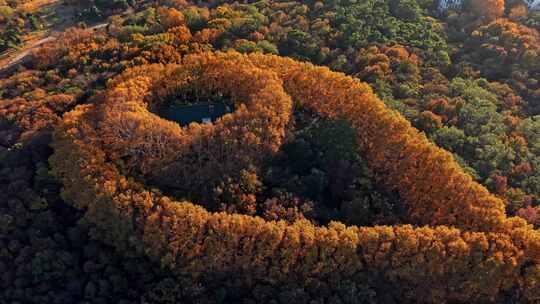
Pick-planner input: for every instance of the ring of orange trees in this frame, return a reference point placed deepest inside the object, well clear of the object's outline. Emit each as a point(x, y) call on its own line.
point(485, 255)
point(197, 156)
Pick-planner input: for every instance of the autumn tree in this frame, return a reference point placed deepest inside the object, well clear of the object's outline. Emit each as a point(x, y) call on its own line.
point(170, 17)
point(488, 9)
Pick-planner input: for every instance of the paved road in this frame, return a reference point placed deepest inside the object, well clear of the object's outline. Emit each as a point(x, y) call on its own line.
point(19, 58)
point(27, 50)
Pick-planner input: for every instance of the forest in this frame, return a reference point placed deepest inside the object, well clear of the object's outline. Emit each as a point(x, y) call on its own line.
point(358, 151)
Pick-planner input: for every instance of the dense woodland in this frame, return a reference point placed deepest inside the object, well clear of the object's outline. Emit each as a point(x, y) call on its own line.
point(378, 152)
point(17, 17)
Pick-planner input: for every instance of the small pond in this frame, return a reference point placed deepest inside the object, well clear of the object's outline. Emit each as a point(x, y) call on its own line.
point(200, 112)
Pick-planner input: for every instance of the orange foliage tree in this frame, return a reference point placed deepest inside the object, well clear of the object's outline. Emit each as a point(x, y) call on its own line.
point(197, 158)
point(490, 255)
point(170, 17)
point(489, 9)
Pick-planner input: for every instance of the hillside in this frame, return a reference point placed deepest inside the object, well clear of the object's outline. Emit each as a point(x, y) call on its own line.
point(322, 152)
